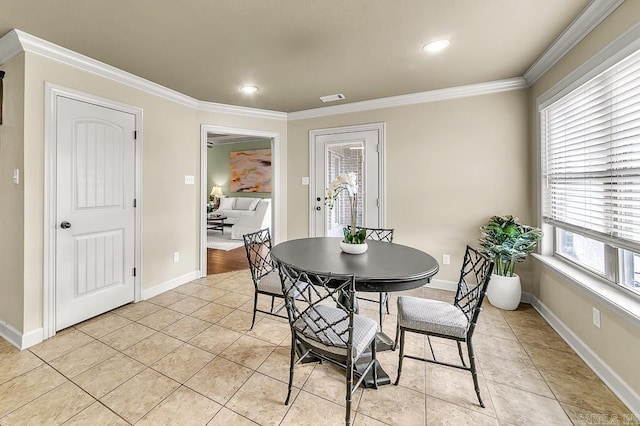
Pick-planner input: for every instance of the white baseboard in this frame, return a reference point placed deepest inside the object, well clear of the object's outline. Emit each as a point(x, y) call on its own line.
point(442, 285)
point(170, 285)
point(626, 394)
point(17, 339)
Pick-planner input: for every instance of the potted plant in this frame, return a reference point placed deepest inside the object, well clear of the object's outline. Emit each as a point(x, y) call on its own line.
point(507, 242)
point(354, 241)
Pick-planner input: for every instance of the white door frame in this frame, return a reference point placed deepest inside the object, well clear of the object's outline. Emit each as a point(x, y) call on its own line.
point(381, 129)
point(204, 194)
point(52, 92)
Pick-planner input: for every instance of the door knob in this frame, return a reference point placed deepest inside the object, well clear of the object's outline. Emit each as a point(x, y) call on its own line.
point(65, 225)
point(318, 208)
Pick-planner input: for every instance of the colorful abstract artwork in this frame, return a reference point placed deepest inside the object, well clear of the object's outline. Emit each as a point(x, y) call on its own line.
point(250, 170)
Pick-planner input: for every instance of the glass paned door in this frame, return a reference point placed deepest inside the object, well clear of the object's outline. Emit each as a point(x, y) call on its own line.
point(344, 152)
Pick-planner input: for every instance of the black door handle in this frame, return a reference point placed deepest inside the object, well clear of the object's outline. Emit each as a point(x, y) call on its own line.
point(65, 225)
point(318, 208)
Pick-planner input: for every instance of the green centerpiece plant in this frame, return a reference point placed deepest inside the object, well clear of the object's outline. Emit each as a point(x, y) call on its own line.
point(347, 183)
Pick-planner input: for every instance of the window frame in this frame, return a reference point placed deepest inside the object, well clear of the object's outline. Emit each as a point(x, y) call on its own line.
point(615, 52)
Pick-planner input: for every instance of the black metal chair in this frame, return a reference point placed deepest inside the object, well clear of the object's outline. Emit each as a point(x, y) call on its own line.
point(326, 326)
point(378, 234)
point(264, 272)
point(441, 319)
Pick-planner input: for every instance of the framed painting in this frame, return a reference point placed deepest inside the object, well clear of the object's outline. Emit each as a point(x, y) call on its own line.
point(250, 170)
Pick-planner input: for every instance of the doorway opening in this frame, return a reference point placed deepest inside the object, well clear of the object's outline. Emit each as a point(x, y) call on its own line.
point(225, 200)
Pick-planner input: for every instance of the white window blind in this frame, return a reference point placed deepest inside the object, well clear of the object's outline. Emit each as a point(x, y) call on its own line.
point(591, 157)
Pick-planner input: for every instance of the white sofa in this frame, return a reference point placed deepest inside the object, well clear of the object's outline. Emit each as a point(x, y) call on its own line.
point(246, 214)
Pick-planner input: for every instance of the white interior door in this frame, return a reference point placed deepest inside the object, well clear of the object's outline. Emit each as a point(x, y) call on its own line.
point(95, 215)
point(336, 151)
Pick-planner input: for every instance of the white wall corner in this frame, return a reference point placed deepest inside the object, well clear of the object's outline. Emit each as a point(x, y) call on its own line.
point(590, 17)
point(17, 339)
point(626, 394)
point(148, 293)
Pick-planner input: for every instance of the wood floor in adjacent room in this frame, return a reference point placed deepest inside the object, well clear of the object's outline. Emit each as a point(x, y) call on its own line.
point(220, 261)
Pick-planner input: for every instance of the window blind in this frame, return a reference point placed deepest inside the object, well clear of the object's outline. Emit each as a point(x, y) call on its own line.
point(591, 157)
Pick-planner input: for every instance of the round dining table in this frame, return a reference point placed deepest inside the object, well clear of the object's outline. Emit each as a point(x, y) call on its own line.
point(384, 267)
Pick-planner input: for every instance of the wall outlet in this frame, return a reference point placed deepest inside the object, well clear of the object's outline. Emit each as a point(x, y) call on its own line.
point(189, 180)
point(596, 317)
point(176, 257)
point(446, 259)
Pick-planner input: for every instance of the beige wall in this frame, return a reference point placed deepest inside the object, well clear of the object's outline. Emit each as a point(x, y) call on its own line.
point(617, 343)
point(171, 150)
point(449, 166)
point(12, 195)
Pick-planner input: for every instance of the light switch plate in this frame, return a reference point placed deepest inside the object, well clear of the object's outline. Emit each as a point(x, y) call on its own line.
point(189, 180)
point(305, 180)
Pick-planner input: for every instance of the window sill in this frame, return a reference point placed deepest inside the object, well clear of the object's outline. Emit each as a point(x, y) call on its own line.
point(626, 305)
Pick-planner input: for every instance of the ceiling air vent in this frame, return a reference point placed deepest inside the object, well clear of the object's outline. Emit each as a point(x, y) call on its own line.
point(331, 98)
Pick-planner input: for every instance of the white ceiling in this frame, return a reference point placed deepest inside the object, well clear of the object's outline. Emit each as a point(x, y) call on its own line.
point(298, 50)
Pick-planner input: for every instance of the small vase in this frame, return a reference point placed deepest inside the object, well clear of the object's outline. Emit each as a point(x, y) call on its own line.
point(353, 248)
point(504, 292)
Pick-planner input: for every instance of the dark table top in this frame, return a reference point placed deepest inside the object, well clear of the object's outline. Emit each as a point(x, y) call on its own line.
point(384, 267)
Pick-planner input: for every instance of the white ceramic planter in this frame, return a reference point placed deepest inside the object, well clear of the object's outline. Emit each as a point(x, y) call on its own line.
point(353, 248)
point(504, 292)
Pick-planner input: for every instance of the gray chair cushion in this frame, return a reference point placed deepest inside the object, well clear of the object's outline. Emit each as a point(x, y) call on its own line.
point(270, 283)
point(431, 316)
point(315, 335)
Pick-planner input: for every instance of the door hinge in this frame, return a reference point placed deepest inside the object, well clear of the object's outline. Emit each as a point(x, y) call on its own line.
point(135, 203)
point(134, 272)
point(378, 148)
point(135, 134)
point(377, 202)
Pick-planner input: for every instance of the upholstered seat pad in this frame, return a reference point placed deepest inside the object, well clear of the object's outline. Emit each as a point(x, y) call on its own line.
point(431, 316)
point(312, 330)
point(270, 283)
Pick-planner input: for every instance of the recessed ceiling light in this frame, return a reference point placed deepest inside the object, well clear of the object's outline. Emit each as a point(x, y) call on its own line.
point(436, 46)
point(248, 89)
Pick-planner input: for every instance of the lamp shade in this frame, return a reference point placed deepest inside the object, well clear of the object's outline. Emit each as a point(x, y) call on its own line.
point(216, 191)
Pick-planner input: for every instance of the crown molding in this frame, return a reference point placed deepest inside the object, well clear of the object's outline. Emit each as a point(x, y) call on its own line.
point(9, 46)
point(590, 17)
point(17, 41)
point(238, 110)
point(415, 98)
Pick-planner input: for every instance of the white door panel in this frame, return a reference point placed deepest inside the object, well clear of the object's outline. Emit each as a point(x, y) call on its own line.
point(95, 189)
point(338, 152)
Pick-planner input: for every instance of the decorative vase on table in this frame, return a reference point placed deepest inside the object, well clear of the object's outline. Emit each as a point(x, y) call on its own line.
point(507, 242)
point(354, 241)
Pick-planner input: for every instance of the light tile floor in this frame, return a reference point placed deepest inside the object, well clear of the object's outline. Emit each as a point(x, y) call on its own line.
point(187, 357)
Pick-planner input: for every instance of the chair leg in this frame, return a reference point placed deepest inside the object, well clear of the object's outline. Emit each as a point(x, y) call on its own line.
point(255, 307)
point(400, 356)
point(386, 302)
point(291, 365)
point(460, 353)
point(347, 419)
point(433, 354)
point(381, 309)
point(474, 374)
point(395, 343)
point(374, 370)
point(273, 301)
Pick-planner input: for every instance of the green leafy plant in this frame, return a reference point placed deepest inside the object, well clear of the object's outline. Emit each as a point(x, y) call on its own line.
point(347, 182)
point(508, 242)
